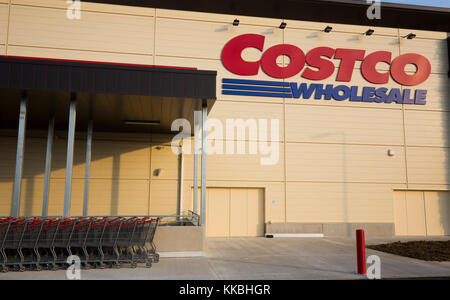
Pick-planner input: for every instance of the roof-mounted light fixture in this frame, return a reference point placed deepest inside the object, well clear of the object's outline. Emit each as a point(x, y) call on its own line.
point(142, 122)
point(410, 36)
point(369, 32)
point(328, 29)
point(235, 22)
point(282, 25)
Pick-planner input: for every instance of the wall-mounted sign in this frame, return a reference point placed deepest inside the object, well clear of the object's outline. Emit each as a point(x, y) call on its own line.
point(320, 59)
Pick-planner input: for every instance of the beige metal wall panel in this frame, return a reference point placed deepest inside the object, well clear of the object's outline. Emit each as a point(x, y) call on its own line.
point(260, 115)
point(163, 197)
point(274, 202)
point(235, 212)
point(106, 197)
point(198, 39)
point(212, 17)
point(118, 197)
point(80, 55)
point(110, 159)
point(32, 192)
point(34, 157)
point(246, 166)
point(89, 6)
point(239, 212)
point(56, 197)
point(431, 187)
point(2, 50)
point(59, 159)
point(119, 177)
point(161, 139)
point(6, 193)
point(199, 63)
point(344, 163)
point(119, 136)
point(166, 161)
point(338, 202)
point(357, 80)
point(124, 160)
point(261, 166)
point(4, 10)
point(344, 28)
point(423, 34)
point(400, 213)
point(421, 213)
point(8, 157)
point(320, 124)
point(438, 93)
point(435, 50)
point(218, 213)
point(415, 211)
point(271, 192)
point(307, 40)
point(255, 208)
point(437, 210)
point(48, 27)
point(427, 165)
point(427, 128)
point(4, 1)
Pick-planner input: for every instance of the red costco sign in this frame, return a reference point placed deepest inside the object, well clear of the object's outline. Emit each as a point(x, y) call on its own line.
point(320, 59)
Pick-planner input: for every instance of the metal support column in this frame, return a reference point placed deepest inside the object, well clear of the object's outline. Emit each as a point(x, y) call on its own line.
point(196, 131)
point(203, 179)
point(48, 157)
point(181, 178)
point(19, 155)
point(69, 159)
point(87, 175)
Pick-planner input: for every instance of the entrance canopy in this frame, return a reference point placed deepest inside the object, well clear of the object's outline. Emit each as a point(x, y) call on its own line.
point(52, 94)
point(120, 93)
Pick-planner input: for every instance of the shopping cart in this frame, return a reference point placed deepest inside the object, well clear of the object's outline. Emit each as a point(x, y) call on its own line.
point(123, 245)
point(109, 241)
point(60, 246)
point(12, 242)
point(150, 240)
point(5, 225)
point(92, 246)
point(36, 242)
point(138, 239)
point(28, 248)
point(45, 244)
point(78, 239)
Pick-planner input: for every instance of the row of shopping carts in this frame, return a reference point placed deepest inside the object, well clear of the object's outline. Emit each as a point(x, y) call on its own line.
point(37, 243)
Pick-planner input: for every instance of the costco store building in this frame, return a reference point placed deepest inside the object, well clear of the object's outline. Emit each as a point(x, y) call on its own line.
point(317, 120)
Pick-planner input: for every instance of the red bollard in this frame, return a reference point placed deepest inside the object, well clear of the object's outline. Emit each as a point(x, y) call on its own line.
point(361, 251)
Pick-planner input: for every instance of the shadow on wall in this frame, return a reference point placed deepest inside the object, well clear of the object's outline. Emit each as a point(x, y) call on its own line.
point(444, 208)
point(118, 169)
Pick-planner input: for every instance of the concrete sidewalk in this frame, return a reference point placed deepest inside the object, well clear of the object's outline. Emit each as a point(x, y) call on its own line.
point(262, 258)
